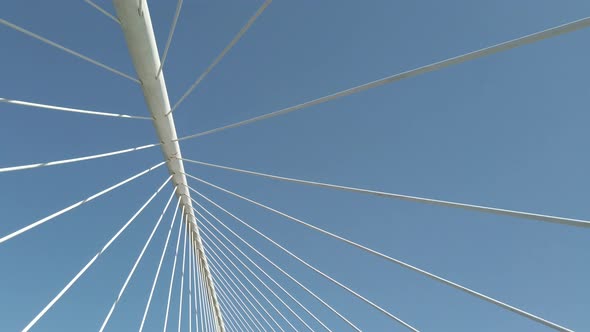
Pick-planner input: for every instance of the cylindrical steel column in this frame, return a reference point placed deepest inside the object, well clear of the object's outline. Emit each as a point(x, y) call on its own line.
point(139, 34)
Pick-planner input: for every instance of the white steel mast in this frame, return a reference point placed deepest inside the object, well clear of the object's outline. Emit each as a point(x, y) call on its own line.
point(136, 23)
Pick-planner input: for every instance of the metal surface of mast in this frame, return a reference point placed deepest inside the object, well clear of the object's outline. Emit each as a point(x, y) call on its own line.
point(139, 35)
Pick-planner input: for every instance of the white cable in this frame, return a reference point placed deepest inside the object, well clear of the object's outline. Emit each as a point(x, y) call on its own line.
point(170, 35)
point(212, 321)
point(182, 277)
point(202, 299)
point(232, 290)
point(569, 27)
point(200, 291)
point(391, 259)
point(196, 311)
point(218, 321)
point(100, 9)
point(256, 265)
point(227, 268)
point(256, 276)
point(222, 54)
point(245, 309)
point(68, 109)
point(275, 265)
point(83, 270)
point(232, 306)
point(225, 271)
point(252, 304)
point(180, 228)
point(65, 49)
point(146, 245)
point(479, 208)
point(73, 160)
point(231, 314)
point(149, 301)
point(214, 326)
point(75, 205)
point(190, 279)
point(207, 306)
point(326, 276)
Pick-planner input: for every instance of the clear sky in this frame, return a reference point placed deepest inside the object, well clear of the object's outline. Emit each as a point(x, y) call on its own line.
point(508, 130)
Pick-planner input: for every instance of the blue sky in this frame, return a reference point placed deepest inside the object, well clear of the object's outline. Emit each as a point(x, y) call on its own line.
point(507, 130)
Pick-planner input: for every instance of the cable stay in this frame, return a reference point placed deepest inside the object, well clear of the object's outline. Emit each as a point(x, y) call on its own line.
point(194, 282)
point(89, 264)
point(180, 228)
point(219, 259)
point(189, 281)
point(139, 257)
point(149, 301)
point(75, 160)
point(328, 306)
point(198, 292)
point(231, 252)
point(193, 289)
point(103, 11)
point(225, 269)
point(67, 50)
point(313, 268)
point(232, 302)
point(233, 313)
point(77, 204)
point(72, 110)
point(230, 309)
point(232, 290)
point(222, 54)
point(552, 32)
point(238, 297)
point(170, 35)
point(231, 325)
point(182, 278)
point(209, 325)
point(479, 208)
point(203, 298)
point(209, 257)
point(391, 259)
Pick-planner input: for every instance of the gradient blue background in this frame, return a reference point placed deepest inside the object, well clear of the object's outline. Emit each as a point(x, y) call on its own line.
point(509, 130)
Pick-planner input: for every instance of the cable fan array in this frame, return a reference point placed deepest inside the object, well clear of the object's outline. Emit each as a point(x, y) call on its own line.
point(250, 298)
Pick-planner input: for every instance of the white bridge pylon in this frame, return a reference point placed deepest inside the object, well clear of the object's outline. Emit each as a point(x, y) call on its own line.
point(139, 34)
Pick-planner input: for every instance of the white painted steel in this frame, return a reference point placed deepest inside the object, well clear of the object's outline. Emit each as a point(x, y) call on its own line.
point(89, 264)
point(170, 35)
point(324, 303)
point(237, 268)
point(180, 228)
point(222, 54)
point(137, 261)
point(182, 280)
point(374, 252)
point(190, 281)
point(479, 208)
point(217, 260)
point(102, 10)
point(149, 301)
point(231, 251)
point(75, 160)
point(69, 109)
point(139, 34)
point(75, 205)
point(65, 49)
point(529, 39)
point(313, 268)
